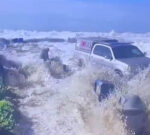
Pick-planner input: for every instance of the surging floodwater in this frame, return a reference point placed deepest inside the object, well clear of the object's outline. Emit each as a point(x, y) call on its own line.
point(69, 106)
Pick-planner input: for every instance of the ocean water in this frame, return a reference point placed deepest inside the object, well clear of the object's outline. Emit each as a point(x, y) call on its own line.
point(69, 106)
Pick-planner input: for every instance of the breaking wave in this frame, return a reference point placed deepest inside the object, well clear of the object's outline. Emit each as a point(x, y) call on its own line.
point(69, 106)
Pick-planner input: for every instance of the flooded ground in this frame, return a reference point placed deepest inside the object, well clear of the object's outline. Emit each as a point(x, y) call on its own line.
point(69, 106)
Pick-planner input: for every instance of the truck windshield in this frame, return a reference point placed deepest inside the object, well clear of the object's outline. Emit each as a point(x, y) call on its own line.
point(122, 52)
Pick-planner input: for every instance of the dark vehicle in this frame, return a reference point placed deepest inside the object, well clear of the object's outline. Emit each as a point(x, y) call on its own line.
point(132, 108)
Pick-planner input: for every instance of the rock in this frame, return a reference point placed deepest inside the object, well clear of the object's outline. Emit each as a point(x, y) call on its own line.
point(44, 54)
point(14, 78)
point(103, 89)
point(9, 63)
point(11, 73)
point(134, 112)
point(72, 40)
point(1, 74)
point(57, 68)
point(66, 68)
point(81, 63)
point(4, 41)
point(17, 40)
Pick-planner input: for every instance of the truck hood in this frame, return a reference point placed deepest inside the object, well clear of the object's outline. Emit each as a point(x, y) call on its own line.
point(136, 63)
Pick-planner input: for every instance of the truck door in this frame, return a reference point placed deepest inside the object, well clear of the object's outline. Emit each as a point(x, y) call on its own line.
point(102, 56)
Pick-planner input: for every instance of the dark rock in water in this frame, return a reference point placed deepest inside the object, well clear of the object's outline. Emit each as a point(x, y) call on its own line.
point(55, 66)
point(24, 72)
point(134, 112)
point(81, 63)
point(17, 40)
point(14, 78)
point(55, 40)
point(44, 54)
point(56, 59)
point(44, 40)
point(9, 63)
point(9, 76)
point(4, 41)
point(103, 89)
point(57, 69)
point(4, 68)
point(66, 68)
point(72, 40)
point(2, 74)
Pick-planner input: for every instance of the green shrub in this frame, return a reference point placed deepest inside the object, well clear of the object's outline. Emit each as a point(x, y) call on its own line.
point(7, 116)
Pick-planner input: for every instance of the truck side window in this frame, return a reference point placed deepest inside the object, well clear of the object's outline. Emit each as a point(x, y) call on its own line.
point(102, 51)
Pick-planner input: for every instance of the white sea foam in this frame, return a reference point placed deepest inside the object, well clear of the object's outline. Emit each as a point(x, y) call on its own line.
point(69, 106)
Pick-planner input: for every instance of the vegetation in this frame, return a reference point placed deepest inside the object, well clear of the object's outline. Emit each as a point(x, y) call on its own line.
point(7, 111)
point(7, 116)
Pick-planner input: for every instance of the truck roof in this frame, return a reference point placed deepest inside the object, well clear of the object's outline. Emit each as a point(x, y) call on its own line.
point(98, 39)
point(117, 44)
point(106, 41)
point(86, 44)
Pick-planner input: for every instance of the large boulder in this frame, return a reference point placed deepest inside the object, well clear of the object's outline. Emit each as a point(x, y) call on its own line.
point(134, 112)
point(17, 40)
point(11, 72)
point(103, 89)
point(9, 63)
point(4, 42)
point(14, 78)
point(44, 54)
point(57, 68)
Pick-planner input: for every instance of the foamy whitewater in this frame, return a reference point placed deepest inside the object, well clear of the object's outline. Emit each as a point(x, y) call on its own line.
point(69, 106)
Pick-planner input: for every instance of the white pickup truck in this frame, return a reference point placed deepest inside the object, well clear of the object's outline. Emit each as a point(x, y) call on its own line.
point(123, 58)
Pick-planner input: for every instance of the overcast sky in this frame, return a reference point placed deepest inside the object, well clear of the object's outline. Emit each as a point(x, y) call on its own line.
point(76, 15)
